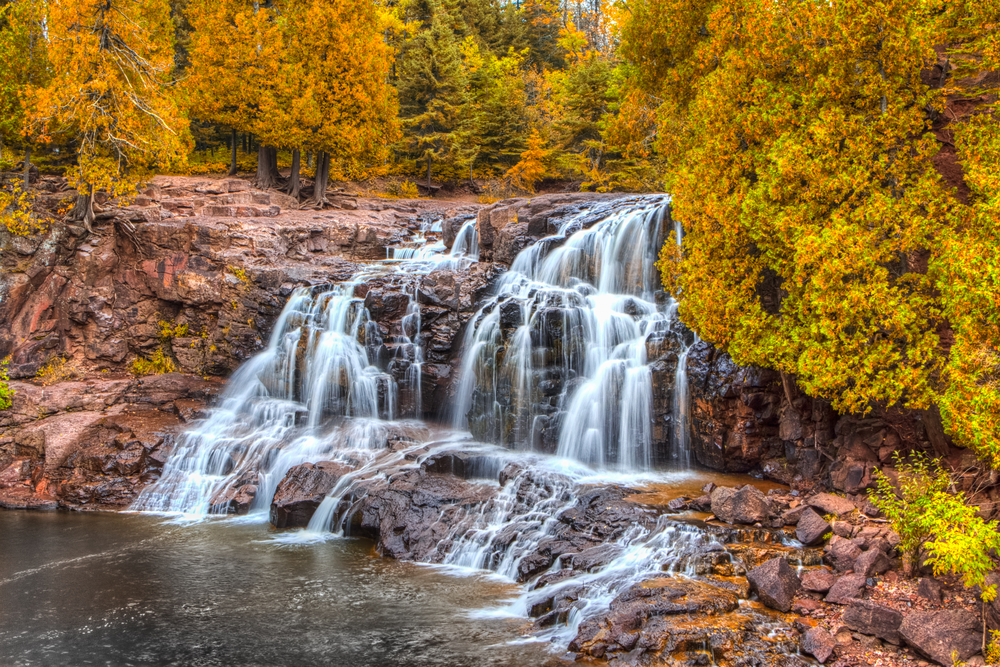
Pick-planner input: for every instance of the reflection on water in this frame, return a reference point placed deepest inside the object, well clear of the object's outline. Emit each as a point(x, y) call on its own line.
point(134, 590)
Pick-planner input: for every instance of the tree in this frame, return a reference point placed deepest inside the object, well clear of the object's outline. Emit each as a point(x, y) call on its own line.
point(434, 101)
point(235, 57)
point(24, 67)
point(112, 92)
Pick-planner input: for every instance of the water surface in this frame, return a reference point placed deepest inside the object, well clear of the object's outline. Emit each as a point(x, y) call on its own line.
point(106, 589)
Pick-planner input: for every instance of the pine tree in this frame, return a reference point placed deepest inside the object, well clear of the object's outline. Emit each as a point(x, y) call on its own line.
point(433, 91)
point(112, 63)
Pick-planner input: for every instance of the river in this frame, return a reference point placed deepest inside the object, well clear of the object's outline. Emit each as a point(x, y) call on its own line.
point(107, 589)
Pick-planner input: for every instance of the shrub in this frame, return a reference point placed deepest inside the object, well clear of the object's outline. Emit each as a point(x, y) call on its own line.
point(157, 364)
point(16, 214)
point(6, 393)
point(56, 370)
point(925, 513)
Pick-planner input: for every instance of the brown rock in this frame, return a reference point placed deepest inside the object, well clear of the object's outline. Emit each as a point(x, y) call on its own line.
point(818, 581)
point(811, 528)
point(871, 562)
point(869, 618)
point(843, 554)
point(302, 490)
point(828, 503)
point(940, 635)
point(930, 589)
point(747, 505)
point(775, 583)
point(818, 643)
point(847, 588)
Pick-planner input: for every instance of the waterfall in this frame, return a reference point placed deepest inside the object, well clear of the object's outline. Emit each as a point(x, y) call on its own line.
point(556, 360)
point(320, 388)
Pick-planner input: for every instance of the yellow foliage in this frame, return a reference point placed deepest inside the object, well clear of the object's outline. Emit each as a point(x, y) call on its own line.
point(526, 173)
point(157, 364)
point(58, 369)
point(16, 213)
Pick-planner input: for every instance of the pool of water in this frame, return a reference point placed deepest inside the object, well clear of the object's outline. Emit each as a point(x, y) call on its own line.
point(110, 589)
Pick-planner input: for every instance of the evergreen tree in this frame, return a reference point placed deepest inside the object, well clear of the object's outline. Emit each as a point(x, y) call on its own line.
point(433, 91)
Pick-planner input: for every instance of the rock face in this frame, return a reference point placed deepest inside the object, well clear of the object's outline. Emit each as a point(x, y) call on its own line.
point(94, 442)
point(775, 583)
point(302, 490)
point(940, 634)
point(873, 619)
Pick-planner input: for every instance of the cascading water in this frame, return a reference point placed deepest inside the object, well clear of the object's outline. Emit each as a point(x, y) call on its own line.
point(556, 361)
point(319, 388)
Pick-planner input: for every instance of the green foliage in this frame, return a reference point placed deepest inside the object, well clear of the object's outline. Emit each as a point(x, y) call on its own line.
point(926, 514)
point(169, 330)
point(157, 364)
point(16, 215)
point(6, 393)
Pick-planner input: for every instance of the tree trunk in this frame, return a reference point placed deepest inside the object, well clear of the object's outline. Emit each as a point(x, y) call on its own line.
point(83, 210)
point(267, 168)
point(27, 166)
point(293, 179)
point(322, 175)
point(232, 159)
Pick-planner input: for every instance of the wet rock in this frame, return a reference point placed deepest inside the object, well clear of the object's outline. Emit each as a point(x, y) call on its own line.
point(775, 583)
point(237, 497)
point(302, 490)
point(818, 581)
point(811, 528)
point(939, 635)
point(818, 643)
point(870, 618)
point(871, 562)
point(747, 505)
point(847, 588)
point(930, 589)
point(595, 557)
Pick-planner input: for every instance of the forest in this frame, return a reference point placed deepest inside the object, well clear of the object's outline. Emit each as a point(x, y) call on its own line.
point(835, 165)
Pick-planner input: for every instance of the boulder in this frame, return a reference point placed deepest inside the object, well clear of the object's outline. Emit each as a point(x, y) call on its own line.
point(775, 583)
point(818, 581)
point(843, 555)
point(811, 527)
point(869, 618)
point(237, 497)
point(302, 490)
point(818, 643)
point(827, 503)
point(930, 589)
point(847, 588)
point(747, 505)
point(940, 635)
point(871, 562)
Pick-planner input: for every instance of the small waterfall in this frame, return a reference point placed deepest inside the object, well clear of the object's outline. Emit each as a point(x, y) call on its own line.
point(556, 361)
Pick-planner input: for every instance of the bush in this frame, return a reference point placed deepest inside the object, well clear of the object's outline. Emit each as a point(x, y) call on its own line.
point(57, 370)
point(6, 393)
point(157, 364)
point(926, 514)
point(16, 214)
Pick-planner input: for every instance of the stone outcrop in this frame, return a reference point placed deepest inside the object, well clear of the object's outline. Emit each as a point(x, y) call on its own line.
point(93, 442)
point(302, 490)
point(775, 583)
point(943, 636)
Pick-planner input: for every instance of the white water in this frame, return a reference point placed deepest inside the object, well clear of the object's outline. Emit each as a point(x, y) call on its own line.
point(579, 305)
point(574, 312)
